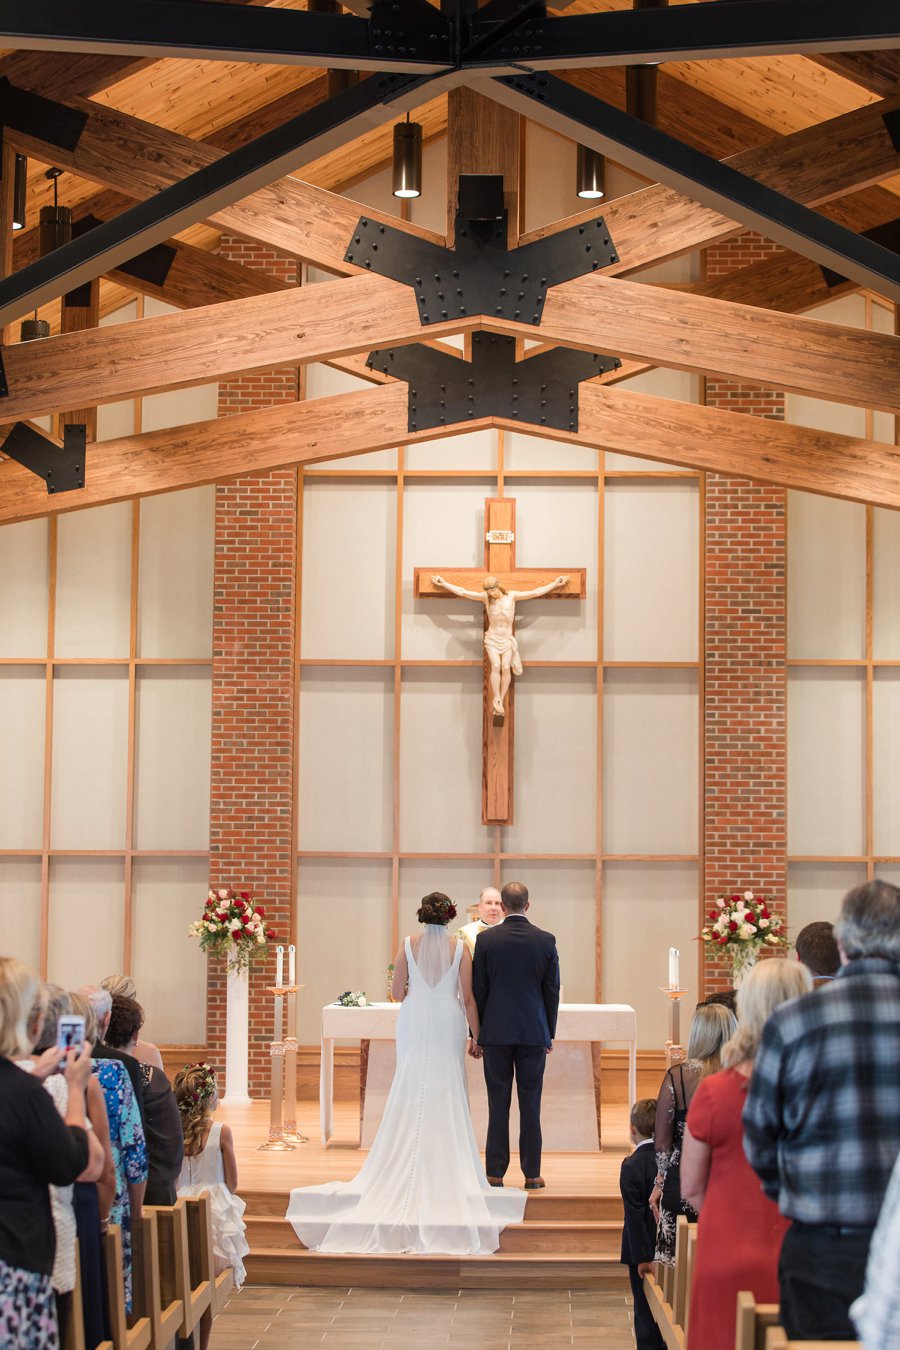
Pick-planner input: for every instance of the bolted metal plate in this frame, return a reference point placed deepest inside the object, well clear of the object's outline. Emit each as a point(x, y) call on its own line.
point(61, 466)
point(481, 275)
point(443, 389)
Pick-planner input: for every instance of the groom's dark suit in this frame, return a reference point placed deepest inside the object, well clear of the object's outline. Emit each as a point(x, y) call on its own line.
point(515, 980)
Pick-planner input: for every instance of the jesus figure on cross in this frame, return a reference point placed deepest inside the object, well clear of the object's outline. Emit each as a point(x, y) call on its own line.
point(499, 639)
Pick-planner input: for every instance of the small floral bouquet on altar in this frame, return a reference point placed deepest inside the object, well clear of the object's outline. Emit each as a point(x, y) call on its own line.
point(233, 926)
point(742, 924)
point(348, 1000)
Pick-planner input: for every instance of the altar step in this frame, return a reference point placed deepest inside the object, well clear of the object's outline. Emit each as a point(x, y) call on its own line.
point(565, 1241)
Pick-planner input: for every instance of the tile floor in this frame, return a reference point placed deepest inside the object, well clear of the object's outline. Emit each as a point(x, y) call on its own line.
point(274, 1318)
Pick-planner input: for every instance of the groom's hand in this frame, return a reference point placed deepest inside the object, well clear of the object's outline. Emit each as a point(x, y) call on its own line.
point(550, 1048)
point(474, 1049)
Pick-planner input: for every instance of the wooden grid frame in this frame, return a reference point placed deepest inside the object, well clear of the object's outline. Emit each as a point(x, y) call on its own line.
point(497, 483)
point(868, 663)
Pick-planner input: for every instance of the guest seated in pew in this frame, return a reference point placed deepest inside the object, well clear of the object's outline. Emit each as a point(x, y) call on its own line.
point(38, 1148)
point(52, 1001)
point(739, 1231)
point(162, 1122)
point(90, 1200)
point(144, 1051)
point(101, 1002)
point(129, 1150)
point(727, 998)
point(711, 1027)
point(210, 1166)
point(639, 1233)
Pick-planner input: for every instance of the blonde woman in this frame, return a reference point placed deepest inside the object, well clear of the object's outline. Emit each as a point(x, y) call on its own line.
point(38, 1148)
point(740, 1229)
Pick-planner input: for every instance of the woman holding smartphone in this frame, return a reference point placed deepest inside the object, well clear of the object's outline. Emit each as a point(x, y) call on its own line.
point(38, 1148)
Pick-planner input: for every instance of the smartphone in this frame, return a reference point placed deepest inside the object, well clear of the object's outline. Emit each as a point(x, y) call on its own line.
point(70, 1032)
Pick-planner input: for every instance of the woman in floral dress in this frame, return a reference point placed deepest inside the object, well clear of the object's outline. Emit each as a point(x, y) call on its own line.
point(129, 1150)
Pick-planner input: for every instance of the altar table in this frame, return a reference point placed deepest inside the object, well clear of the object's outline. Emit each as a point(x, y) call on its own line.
point(569, 1114)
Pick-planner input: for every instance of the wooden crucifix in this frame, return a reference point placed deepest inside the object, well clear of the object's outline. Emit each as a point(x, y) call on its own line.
point(499, 585)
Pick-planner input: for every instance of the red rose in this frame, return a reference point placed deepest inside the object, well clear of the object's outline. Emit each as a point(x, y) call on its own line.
point(245, 895)
point(239, 904)
point(733, 925)
point(722, 940)
point(260, 911)
point(736, 899)
point(237, 935)
point(764, 913)
point(222, 915)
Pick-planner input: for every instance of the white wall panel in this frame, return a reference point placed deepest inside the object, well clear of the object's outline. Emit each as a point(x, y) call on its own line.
point(826, 745)
point(349, 550)
point(20, 909)
point(343, 935)
point(443, 527)
point(562, 902)
point(90, 737)
point(556, 763)
point(463, 881)
point(469, 450)
point(556, 529)
point(841, 418)
point(175, 574)
point(93, 589)
point(826, 577)
point(168, 894)
point(430, 210)
point(885, 756)
point(651, 545)
point(550, 178)
point(346, 735)
point(178, 407)
point(885, 584)
point(650, 761)
point(172, 760)
point(440, 761)
point(87, 901)
point(115, 419)
point(815, 892)
point(522, 452)
point(648, 908)
point(23, 694)
point(23, 595)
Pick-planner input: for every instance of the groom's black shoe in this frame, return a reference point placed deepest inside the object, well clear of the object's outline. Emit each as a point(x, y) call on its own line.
point(534, 1183)
point(495, 1181)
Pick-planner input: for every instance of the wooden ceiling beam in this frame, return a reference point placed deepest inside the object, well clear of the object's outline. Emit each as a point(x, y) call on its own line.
point(289, 327)
point(877, 71)
point(614, 419)
point(712, 440)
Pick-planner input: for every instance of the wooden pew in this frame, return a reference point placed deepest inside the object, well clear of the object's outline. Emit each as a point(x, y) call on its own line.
point(668, 1290)
point(127, 1333)
point(682, 1281)
point(153, 1298)
point(200, 1240)
point(690, 1256)
point(776, 1339)
point(181, 1279)
point(752, 1322)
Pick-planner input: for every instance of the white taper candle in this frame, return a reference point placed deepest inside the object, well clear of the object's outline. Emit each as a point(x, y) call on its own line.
point(673, 968)
point(279, 967)
point(292, 967)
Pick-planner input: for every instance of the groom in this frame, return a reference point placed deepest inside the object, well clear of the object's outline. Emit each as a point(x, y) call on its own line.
point(515, 980)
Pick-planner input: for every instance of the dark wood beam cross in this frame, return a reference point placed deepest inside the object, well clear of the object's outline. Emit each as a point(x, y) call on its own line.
point(497, 778)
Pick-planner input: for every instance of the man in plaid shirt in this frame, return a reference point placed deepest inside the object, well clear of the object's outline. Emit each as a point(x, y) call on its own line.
point(822, 1118)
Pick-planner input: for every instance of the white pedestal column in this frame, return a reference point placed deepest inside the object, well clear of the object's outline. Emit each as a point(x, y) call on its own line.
point(237, 1036)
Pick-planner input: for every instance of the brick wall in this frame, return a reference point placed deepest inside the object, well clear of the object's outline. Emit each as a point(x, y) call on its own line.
point(255, 604)
point(745, 751)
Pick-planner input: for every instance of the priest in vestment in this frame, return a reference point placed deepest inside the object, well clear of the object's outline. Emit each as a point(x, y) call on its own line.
point(490, 913)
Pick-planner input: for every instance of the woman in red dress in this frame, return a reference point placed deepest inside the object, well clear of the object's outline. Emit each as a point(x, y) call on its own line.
point(740, 1230)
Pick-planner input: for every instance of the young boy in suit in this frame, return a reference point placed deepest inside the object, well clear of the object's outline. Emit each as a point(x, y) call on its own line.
point(639, 1234)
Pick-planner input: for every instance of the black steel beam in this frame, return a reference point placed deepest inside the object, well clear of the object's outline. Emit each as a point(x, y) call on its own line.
point(202, 29)
point(590, 121)
point(729, 28)
point(349, 114)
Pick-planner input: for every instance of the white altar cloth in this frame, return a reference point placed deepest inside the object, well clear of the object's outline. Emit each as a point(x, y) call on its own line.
point(579, 1023)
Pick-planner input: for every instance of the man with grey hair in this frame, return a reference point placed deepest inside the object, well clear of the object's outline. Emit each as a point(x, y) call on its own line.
point(822, 1118)
point(101, 1002)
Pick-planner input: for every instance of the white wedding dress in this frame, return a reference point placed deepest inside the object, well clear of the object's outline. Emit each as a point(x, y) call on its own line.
point(422, 1187)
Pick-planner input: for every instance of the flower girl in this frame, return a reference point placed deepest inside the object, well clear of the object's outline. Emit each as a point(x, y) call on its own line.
point(210, 1165)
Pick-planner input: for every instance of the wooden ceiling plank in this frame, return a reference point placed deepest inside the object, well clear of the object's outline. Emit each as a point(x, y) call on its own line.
point(693, 332)
point(877, 71)
point(289, 327)
point(713, 440)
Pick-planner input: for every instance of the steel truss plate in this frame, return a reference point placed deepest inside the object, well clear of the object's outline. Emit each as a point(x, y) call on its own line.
point(62, 467)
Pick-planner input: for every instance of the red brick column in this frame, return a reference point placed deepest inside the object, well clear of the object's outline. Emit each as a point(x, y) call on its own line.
point(745, 751)
point(255, 606)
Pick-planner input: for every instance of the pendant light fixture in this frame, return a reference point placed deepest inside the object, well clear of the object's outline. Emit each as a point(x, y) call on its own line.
point(20, 183)
point(55, 221)
point(590, 180)
point(33, 329)
point(407, 174)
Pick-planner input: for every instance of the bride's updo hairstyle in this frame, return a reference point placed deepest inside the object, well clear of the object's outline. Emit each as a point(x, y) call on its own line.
point(436, 908)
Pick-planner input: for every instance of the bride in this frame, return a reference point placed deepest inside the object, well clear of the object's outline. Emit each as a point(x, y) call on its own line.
point(422, 1187)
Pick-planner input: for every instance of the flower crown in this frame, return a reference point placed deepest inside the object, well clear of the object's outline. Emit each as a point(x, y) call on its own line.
point(207, 1086)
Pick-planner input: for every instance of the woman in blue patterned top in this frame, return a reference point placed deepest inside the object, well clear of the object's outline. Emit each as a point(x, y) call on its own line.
point(129, 1150)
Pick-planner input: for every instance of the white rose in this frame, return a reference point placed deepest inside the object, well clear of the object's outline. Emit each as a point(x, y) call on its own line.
point(771, 939)
point(719, 925)
point(763, 923)
point(363, 1000)
point(234, 925)
point(223, 895)
point(719, 901)
point(212, 927)
point(746, 931)
point(261, 937)
point(748, 895)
